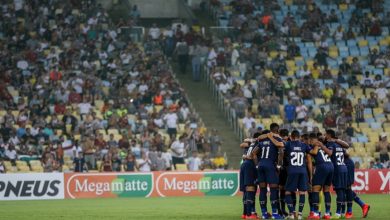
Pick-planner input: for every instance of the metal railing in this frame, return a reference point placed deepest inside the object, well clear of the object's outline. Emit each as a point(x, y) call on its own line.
point(223, 103)
point(136, 33)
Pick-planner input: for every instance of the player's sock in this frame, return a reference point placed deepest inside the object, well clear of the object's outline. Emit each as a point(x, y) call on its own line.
point(349, 200)
point(250, 198)
point(301, 202)
point(315, 199)
point(263, 200)
point(244, 203)
point(357, 199)
point(339, 200)
point(343, 207)
point(274, 199)
point(289, 203)
point(282, 202)
point(294, 199)
point(328, 201)
point(310, 198)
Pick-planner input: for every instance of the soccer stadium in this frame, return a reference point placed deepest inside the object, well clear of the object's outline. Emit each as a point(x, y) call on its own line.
point(194, 109)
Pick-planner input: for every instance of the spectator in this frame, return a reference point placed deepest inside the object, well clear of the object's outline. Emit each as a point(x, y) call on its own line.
point(194, 162)
point(359, 111)
point(144, 163)
point(106, 165)
point(248, 120)
point(301, 111)
point(219, 162)
point(383, 147)
point(11, 154)
point(289, 111)
point(172, 121)
point(376, 165)
point(3, 169)
point(182, 51)
point(130, 163)
point(215, 142)
point(178, 149)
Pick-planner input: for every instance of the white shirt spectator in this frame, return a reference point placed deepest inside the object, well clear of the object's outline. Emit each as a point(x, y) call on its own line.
point(171, 119)
point(194, 163)
point(159, 122)
point(84, 107)
point(77, 150)
point(144, 165)
point(154, 32)
point(92, 21)
point(167, 157)
point(235, 56)
point(381, 93)
point(18, 4)
point(11, 154)
point(224, 87)
point(301, 111)
point(247, 121)
point(178, 149)
point(143, 88)
point(184, 111)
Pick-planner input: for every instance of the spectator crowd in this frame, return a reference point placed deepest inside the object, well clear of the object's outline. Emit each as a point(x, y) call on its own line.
point(77, 93)
point(308, 65)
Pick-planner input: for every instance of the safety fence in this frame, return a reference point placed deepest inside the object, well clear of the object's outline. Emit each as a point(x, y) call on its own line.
point(223, 104)
point(40, 186)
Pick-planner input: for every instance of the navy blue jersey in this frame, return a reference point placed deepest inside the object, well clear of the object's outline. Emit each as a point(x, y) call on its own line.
point(337, 156)
point(322, 158)
point(248, 150)
point(267, 154)
point(296, 152)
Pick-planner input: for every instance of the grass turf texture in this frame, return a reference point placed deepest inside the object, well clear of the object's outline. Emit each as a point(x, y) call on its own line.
point(156, 208)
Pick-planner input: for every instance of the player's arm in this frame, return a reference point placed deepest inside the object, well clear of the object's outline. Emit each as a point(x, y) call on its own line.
point(315, 149)
point(342, 143)
point(309, 166)
point(277, 143)
point(328, 151)
point(280, 157)
point(244, 145)
point(254, 155)
point(262, 137)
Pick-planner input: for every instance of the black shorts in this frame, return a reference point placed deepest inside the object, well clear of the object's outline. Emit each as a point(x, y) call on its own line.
point(282, 176)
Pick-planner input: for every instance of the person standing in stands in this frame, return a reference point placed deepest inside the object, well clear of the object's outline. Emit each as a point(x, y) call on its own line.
point(182, 55)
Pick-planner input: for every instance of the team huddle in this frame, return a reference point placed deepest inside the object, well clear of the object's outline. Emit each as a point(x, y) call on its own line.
point(291, 165)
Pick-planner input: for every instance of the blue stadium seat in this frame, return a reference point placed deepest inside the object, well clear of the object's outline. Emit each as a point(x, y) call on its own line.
point(364, 51)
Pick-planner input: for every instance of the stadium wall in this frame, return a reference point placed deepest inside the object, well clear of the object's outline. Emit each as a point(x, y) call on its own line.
point(36, 186)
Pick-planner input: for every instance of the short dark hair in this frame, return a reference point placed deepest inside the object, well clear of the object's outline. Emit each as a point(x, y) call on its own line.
point(305, 137)
point(313, 136)
point(274, 127)
point(331, 133)
point(295, 134)
point(256, 135)
point(283, 132)
point(265, 131)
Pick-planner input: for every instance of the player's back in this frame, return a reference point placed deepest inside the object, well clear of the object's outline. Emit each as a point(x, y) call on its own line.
point(323, 159)
point(337, 157)
point(267, 154)
point(296, 153)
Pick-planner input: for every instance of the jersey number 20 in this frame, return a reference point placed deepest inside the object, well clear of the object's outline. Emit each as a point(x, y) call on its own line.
point(297, 158)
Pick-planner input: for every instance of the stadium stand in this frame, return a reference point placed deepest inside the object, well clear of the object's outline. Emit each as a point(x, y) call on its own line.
point(309, 64)
point(78, 90)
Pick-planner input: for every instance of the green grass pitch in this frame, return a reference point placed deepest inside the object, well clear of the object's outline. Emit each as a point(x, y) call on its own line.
point(185, 208)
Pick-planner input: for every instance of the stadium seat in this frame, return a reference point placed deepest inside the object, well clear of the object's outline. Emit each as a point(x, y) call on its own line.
point(181, 167)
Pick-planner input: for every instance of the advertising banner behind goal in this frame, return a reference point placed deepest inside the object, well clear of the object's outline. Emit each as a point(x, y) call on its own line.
point(33, 186)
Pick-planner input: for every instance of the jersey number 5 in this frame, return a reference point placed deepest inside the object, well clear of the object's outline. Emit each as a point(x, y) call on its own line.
point(297, 158)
